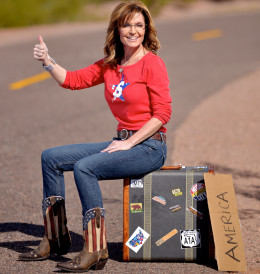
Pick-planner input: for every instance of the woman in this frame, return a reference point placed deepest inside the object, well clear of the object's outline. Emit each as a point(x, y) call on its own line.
point(137, 92)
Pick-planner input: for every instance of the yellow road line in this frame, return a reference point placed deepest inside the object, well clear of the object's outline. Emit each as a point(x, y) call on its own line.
point(204, 35)
point(29, 81)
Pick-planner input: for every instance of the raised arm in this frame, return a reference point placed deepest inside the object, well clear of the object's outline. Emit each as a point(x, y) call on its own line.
point(40, 53)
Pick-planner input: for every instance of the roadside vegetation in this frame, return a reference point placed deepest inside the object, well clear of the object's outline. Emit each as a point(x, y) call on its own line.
point(20, 13)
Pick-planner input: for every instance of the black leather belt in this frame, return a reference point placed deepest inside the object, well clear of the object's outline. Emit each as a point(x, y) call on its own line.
point(124, 134)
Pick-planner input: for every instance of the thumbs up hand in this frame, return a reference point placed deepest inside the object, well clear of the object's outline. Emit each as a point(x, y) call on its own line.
point(40, 51)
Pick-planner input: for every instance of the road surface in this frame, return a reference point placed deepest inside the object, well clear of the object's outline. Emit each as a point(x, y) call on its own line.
point(43, 115)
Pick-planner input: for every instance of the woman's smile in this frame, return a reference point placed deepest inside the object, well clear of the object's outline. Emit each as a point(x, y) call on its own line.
point(132, 38)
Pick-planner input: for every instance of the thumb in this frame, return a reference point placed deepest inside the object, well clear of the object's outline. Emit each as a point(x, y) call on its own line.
point(41, 40)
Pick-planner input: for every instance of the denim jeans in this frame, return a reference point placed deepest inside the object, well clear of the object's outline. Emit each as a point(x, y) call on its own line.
point(90, 165)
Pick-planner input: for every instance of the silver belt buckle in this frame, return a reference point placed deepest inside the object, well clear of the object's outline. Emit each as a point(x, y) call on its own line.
point(123, 134)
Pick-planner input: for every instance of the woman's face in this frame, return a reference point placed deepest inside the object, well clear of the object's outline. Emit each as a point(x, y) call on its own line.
point(132, 32)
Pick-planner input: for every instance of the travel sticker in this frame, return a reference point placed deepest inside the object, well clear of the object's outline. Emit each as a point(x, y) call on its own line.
point(137, 239)
point(190, 238)
point(198, 192)
point(137, 183)
point(175, 208)
point(195, 212)
point(166, 237)
point(159, 199)
point(176, 192)
point(136, 207)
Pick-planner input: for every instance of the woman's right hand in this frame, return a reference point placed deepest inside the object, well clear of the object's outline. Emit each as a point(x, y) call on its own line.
point(40, 51)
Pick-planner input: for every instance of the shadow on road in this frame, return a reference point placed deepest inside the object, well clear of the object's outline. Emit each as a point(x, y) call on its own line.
point(29, 229)
point(245, 214)
point(115, 249)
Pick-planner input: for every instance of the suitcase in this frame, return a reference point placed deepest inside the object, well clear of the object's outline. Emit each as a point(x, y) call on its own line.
point(166, 216)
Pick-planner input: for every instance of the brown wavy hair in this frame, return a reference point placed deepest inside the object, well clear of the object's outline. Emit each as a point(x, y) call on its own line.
point(113, 50)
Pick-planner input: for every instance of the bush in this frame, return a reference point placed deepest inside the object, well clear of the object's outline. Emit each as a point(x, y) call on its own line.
point(20, 13)
point(15, 13)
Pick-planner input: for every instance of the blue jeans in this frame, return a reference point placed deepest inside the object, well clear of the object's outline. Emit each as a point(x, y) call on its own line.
point(90, 165)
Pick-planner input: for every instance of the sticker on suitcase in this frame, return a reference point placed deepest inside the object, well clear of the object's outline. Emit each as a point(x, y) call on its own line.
point(137, 183)
point(175, 208)
point(137, 239)
point(159, 199)
point(190, 239)
point(136, 207)
point(176, 192)
point(195, 212)
point(198, 191)
point(166, 237)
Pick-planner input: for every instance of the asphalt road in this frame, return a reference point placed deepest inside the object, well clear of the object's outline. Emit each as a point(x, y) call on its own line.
point(43, 115)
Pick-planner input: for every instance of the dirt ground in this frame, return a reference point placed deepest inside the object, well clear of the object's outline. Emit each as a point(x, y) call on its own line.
point(231, 144)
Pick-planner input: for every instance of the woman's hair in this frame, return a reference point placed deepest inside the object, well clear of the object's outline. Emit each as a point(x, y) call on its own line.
point(125, 11)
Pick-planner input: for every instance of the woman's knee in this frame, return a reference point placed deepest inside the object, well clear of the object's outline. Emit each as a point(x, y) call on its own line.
point(80, 167)
point(83, 169)
point(78, 173)
point(48, 156)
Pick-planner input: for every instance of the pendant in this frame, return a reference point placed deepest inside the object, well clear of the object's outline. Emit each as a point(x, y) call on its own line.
point(121, 70)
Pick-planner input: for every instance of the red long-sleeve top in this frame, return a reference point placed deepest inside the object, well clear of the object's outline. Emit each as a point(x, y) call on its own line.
point(135, 95)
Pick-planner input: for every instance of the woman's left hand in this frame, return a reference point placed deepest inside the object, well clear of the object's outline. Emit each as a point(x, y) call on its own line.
point(118, 145)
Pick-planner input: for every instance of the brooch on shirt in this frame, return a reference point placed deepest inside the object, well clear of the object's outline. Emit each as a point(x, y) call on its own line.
point(118, 93)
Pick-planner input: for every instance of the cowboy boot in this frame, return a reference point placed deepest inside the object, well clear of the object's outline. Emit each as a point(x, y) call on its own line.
point(56, 238)
point(94, 253)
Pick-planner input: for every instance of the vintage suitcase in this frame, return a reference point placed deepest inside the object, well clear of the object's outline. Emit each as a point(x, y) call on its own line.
point(166, 216)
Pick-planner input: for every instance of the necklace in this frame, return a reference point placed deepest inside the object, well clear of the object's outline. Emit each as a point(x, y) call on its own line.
point(122, 67)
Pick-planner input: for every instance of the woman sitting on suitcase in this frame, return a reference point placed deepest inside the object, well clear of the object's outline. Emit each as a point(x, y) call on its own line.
point(137, 91)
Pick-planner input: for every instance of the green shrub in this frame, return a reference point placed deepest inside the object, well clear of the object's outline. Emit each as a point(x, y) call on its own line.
point(19, 13)
point(15, 13)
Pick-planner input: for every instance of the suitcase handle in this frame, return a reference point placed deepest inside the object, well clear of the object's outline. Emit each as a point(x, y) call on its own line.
point(171, 167)
point(211, 168)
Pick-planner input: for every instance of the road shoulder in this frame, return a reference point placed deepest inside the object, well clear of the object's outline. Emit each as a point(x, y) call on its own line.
point(223, 131)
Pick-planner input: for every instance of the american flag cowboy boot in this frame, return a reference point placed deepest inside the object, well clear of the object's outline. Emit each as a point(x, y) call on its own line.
point(94, 254)
point(56, 237)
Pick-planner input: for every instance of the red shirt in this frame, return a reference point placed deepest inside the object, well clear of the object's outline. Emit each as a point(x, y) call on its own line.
point(134, 96)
